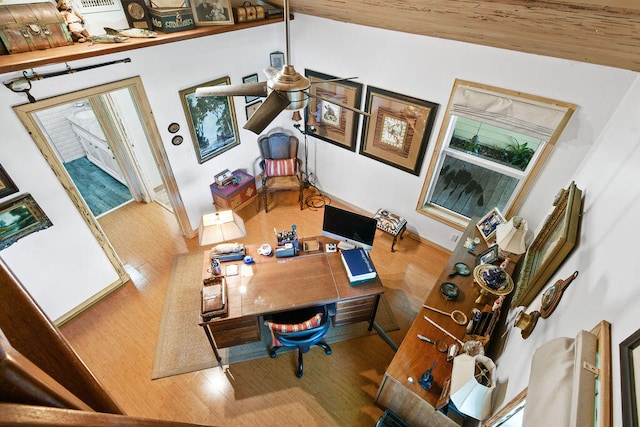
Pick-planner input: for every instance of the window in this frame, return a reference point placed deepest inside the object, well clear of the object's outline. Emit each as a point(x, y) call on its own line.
point(490, 148)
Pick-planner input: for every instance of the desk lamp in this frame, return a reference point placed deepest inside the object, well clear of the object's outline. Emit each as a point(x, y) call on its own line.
point(472, 384)
point(220, 227)
point(510, 237)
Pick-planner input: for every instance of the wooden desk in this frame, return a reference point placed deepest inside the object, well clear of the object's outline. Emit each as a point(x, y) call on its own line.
point(273, 285)
point(408, 399)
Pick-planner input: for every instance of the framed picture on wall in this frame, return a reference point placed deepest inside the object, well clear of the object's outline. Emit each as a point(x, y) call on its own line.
point(7, 186)
point(20, 217)
point(328, 120)
point(398, 130)
point(253, 78)
point(212, 121)
point(276, 59)
point(251, 108)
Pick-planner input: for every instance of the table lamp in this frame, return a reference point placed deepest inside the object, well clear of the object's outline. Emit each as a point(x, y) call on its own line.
point(220, 227)
point(510, 237)
point(472, 385)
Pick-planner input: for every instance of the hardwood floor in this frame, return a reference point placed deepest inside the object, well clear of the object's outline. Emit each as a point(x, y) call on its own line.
point(116, 337)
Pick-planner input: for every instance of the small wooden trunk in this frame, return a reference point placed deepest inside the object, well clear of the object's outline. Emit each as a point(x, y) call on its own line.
point(248, 12)
point(32, 26)
point(169, 20)
point(235, 196)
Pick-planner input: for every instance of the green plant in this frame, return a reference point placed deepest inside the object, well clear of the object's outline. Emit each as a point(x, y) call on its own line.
point(518, 154)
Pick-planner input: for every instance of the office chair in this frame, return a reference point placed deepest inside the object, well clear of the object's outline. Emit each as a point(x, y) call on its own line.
point(280, 165)
point(300, 328)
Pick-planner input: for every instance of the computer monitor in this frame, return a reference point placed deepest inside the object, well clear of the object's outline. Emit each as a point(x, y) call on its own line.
point(349, 227)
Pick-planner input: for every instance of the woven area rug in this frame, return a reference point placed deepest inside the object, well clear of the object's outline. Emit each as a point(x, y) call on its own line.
point(182, 344)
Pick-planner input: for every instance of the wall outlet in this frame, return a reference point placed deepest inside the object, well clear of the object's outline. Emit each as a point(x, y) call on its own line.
point(454, 237)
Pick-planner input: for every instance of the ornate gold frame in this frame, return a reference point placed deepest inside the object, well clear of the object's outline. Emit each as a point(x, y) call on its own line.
point(550, 247)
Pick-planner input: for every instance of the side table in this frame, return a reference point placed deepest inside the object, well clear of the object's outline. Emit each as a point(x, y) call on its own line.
point(235, 196)
point(392, 224)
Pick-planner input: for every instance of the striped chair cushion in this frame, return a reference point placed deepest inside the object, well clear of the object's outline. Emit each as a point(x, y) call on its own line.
point(287, 328)
point(282, 167)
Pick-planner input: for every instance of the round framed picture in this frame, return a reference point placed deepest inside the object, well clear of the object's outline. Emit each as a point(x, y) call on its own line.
point(174, 127)
point(176, 140)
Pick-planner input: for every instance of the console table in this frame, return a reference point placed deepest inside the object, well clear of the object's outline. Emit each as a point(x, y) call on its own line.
point(400, 390)
point(271, 285)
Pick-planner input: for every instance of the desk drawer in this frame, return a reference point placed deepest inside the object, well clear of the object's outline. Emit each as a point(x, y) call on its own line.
point(228, 333)
point(354, 310)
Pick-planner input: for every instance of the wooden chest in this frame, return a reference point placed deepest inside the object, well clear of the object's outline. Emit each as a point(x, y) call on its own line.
point(235, 196)
point(32, 26)
point(248, 12)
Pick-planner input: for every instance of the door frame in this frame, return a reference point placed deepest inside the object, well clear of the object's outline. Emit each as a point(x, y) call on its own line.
point(145, 114)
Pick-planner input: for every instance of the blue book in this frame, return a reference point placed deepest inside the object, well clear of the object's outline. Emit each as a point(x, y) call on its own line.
point(358, 265)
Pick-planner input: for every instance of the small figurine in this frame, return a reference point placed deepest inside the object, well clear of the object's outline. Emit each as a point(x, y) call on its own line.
point(75, 21)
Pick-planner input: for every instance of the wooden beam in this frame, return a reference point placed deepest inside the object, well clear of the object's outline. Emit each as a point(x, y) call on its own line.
point(582, 30)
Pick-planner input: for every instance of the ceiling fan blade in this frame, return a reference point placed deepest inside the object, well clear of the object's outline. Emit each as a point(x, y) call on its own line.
point(270, 108)
point(245, 89)
point(355, 110)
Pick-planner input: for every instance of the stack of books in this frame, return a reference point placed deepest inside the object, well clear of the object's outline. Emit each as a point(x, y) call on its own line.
point(358, 266)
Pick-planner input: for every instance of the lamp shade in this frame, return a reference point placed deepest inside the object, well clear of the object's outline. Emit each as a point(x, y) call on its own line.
point(220, 227)
point(510, 236)
point(472, 385)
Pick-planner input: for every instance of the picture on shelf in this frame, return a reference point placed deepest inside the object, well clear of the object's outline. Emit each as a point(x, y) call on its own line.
point(488, 224)
point(212, 12)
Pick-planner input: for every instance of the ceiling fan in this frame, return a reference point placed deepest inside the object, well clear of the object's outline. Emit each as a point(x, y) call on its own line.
point(284, 89)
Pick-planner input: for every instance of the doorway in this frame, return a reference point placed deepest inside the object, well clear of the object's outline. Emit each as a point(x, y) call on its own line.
point(131, 144)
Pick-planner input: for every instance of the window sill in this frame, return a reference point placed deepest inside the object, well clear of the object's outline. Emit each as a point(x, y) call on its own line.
point(28, 60)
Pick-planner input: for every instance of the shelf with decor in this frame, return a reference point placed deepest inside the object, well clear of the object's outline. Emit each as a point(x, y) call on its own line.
point(57, 55)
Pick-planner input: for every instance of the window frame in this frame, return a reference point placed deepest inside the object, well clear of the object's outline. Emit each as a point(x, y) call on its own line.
point(442, 149)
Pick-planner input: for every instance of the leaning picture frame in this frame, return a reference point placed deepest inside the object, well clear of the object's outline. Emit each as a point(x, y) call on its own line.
point(330, 121)
point(212, 121)
point(630, 378)
point(489, 256)
point(398, 129)
point(20, 217)
point(552, 244)
point(488, 224)
point(253, 78)
point(7, 187)
point(212, 12)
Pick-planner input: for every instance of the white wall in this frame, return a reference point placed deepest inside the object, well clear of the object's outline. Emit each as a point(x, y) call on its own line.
point(426, 68)
point(63, 266)
point(606, 287)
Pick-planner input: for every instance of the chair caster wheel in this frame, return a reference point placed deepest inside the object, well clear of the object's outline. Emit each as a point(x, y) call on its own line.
point(328, 351)
point(273, 354)
point(299, 374)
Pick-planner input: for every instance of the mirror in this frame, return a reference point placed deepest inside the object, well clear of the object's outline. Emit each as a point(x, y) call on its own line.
point(491, 146)
point(115, 132)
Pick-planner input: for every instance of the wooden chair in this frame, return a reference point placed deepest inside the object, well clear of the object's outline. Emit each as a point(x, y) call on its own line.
point(280, 165)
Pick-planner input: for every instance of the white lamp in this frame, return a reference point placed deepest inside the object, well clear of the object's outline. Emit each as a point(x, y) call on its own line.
point(220, 227)
point(510, 237)
point(472, 385)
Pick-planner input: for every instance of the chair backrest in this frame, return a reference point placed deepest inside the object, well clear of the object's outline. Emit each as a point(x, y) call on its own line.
point(278, 145)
